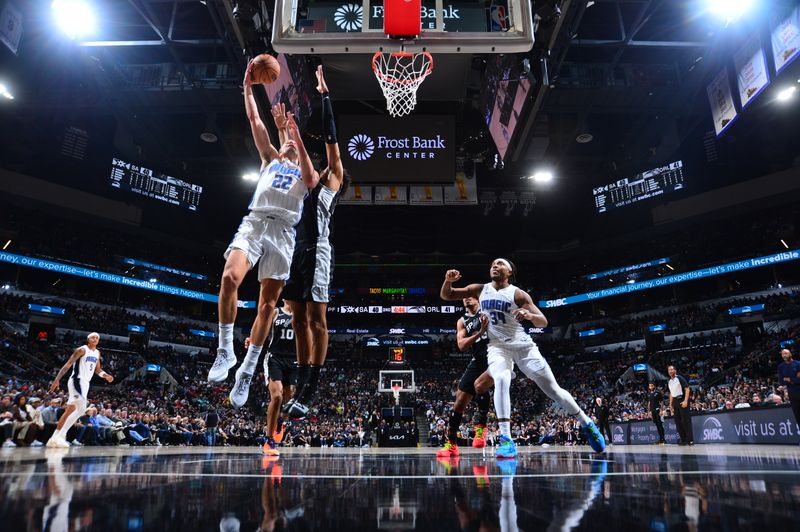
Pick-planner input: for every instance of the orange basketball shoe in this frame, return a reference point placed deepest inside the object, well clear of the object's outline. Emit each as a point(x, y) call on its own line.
point(449, 450)
point(479, 442)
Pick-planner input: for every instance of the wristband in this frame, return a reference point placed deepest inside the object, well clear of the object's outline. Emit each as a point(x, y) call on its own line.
point(103, 374)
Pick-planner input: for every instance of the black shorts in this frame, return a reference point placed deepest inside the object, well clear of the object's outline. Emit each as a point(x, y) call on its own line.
point(283, 369)
point(310, 274)
point(474, 370)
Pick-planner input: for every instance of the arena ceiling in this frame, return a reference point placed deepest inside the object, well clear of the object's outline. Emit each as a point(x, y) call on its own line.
point(159, 73)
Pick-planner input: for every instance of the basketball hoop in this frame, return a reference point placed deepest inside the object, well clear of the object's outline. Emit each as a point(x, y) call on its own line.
point(396, 393)
point(400, 74)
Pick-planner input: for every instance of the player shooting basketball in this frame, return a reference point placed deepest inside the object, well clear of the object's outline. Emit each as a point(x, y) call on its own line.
point(266, 234)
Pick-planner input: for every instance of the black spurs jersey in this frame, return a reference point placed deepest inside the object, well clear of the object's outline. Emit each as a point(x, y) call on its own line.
point(472, 324)
point(316, 223)
point(281, 339)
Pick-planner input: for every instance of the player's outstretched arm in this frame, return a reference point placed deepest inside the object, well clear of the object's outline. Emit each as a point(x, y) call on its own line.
point(527, 311)
point(336, 177)
point(309, 175)
point(260, 136)
point(77, 354)
point(448, 293)
point(280, 119)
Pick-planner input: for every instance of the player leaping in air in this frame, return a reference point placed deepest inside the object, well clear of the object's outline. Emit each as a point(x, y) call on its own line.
point(507, 306)
point(312, 264)
point(266, 234)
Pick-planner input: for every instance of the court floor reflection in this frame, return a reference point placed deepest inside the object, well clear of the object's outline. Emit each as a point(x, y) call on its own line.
point(231, 489)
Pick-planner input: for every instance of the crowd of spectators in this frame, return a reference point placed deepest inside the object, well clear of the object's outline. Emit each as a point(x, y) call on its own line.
point(695, 317)
point(106, 318)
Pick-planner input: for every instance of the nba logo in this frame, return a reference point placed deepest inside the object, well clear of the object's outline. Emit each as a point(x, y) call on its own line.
point(499, 18)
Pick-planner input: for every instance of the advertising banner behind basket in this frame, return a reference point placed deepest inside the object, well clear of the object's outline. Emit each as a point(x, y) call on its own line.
point(382, 149)
point(773, 424)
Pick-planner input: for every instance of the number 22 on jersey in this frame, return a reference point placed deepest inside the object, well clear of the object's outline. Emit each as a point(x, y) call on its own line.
point(282, 182)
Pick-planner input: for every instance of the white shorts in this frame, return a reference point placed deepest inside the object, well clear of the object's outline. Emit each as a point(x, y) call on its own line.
point(268, 241)
point(527, 357)
point(75, 395)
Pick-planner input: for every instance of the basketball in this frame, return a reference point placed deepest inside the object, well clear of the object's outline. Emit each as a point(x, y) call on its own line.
point(265, 69)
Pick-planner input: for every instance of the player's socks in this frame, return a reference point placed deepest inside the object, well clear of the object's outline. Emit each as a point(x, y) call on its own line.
point(226, 336)
point(310, 389)
point(302, 378)
point(505, 428)
point(452, 426)
point(251, 359)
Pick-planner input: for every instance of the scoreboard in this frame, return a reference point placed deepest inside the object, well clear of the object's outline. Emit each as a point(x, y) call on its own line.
point(144, 181)
point(642, 186)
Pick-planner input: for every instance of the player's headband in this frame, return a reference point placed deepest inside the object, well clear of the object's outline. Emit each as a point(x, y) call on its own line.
point(93, 334)
point(507, 263)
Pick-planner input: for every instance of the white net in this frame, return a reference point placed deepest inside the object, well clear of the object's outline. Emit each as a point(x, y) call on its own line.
point(400, 74)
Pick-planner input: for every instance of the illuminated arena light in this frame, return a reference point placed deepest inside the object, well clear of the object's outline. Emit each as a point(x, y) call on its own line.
point(730, 10)
point(76, 18)
point(786, 94)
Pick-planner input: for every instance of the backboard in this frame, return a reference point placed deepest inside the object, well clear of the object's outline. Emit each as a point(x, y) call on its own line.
point(404, 378)
point(448, 26)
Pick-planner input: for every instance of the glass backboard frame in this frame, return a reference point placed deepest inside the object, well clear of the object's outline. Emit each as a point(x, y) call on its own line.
point(385, 378)
point(516, 39)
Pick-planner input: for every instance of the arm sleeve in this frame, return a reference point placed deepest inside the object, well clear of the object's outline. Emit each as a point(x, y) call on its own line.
point(328, 125)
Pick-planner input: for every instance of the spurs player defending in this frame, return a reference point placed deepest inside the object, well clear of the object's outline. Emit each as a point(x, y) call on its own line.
point(507, 306)
point(265, 236)
point(85, 362)
point(312, 264)
point(470, 335)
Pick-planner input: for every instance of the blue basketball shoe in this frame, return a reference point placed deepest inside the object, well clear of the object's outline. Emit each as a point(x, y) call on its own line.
point(594, 437)
point(506, 448)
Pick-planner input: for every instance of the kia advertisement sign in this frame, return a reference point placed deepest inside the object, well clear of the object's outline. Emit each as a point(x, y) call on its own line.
point(381, 149)
point(773, 425)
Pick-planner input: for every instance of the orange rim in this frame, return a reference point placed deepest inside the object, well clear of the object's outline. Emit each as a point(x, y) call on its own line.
point(391, 79)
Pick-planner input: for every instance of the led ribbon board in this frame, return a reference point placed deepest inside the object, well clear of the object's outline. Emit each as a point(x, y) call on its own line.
point(746, 309)
point(158, 267)
point(46, 309)
point(591, 332)
point(77, 271)
point(767, 260)
point(626, 269)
